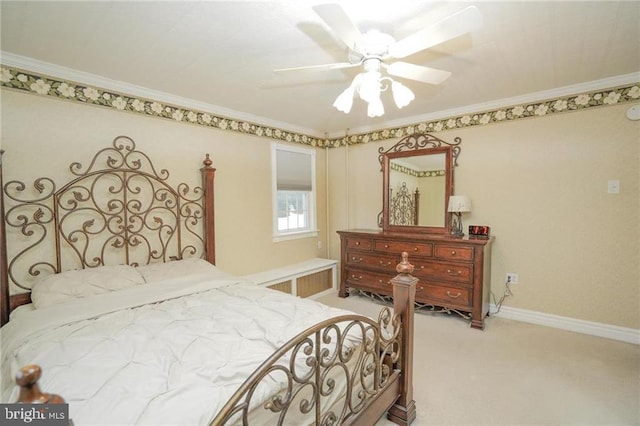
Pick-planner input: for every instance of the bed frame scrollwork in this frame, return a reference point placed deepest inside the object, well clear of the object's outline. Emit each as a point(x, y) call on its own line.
point(377, 372)
point(119, 209)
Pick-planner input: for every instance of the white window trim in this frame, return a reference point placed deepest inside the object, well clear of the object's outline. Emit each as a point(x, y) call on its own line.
point(313, 225)
point(294, 235)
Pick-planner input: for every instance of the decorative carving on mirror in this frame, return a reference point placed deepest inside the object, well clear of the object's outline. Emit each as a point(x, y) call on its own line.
point(419, 141)
point(417, 183)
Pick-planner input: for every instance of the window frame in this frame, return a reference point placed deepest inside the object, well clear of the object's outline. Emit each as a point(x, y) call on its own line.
point(312, 230)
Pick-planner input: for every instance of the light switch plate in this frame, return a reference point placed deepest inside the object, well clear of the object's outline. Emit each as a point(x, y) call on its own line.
point(613, 186)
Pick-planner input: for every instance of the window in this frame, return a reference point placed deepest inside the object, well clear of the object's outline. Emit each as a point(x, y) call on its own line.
point(294, 192)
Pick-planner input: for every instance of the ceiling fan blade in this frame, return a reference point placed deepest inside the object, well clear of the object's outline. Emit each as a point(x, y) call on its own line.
point(339, 22)
point(465, 21)
point(417, 72)
point(323, 67)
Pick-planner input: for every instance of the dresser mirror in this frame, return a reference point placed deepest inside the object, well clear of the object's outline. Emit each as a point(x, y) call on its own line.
point(417, 182)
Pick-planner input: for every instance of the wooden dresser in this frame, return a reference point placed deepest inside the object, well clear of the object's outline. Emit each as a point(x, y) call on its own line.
point(454, 273)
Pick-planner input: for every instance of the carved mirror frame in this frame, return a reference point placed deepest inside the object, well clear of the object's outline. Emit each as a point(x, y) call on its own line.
point(410, 146)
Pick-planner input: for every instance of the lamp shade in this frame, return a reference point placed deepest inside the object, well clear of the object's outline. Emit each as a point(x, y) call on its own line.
point(459, 203)
point(375, 108)
point(344, 102)
point(402, 95)
point(369, 86)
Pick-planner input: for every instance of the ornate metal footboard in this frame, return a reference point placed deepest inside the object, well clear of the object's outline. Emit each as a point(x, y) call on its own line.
point(328, 373)
point(347, 370)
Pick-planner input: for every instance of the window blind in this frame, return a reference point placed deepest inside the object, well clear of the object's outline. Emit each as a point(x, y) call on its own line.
point(293, 171)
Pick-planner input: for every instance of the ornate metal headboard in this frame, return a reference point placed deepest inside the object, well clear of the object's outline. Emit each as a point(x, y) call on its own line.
point(118, 210)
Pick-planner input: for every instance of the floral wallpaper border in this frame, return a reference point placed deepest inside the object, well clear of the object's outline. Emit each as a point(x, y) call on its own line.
point(416, 173)
point(30, 82)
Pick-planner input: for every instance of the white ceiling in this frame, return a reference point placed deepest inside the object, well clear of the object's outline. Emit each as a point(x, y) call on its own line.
point(223, 53)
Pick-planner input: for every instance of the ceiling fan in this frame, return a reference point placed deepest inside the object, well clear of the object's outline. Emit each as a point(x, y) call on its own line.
point(373, 49)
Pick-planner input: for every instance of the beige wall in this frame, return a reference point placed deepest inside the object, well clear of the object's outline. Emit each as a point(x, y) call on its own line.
point(541, 184)
point(41, 135)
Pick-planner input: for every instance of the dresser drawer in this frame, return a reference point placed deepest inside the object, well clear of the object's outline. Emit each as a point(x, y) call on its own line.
point(359, 243)
point(443, 271)
point(387, 263)
point(371, 281)
point(454, 252)
point(445, 296)
point(414, 249)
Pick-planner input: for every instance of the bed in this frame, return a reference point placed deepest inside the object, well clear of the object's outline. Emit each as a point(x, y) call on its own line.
point(112, 300)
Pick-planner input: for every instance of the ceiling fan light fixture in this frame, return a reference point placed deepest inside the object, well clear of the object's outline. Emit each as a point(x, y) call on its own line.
point(375, 108)
point(344, 102)
point(402, 95)
point(369, 86)
point(373, 48)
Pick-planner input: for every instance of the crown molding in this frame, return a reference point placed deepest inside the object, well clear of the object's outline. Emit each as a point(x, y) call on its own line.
point(60, 72)
point(529, 98)
point(36, 77)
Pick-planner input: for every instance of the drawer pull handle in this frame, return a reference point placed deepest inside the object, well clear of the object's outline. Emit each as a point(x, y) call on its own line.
point(453, 252)
point(383, 282)
point(452, 296)
point(419, 289)
point(386, 246)
point(416, 249)
point(356, 277)
point(454, 273)
point(356, 259)
point(357, 243)
point(383, 263)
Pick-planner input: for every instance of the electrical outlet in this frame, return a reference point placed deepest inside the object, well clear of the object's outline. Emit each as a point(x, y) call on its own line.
point(512, 278)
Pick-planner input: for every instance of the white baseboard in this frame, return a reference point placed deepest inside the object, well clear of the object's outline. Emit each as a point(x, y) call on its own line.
point(629, 335)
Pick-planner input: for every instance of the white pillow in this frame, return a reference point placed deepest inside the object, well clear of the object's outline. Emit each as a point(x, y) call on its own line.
point(59, 288)
point(155, 272)
point(21, 311)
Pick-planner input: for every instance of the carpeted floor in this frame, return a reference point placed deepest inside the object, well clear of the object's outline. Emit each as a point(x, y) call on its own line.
point(515, 373)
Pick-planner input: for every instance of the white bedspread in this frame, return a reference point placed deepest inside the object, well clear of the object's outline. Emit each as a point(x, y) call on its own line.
point(164, 353)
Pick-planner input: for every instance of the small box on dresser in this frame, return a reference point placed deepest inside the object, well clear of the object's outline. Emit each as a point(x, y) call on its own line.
point(453, 273)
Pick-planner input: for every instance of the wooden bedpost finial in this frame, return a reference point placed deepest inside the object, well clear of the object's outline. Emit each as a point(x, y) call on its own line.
point(207, 161)
point(30, 393)
point(404, 267)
